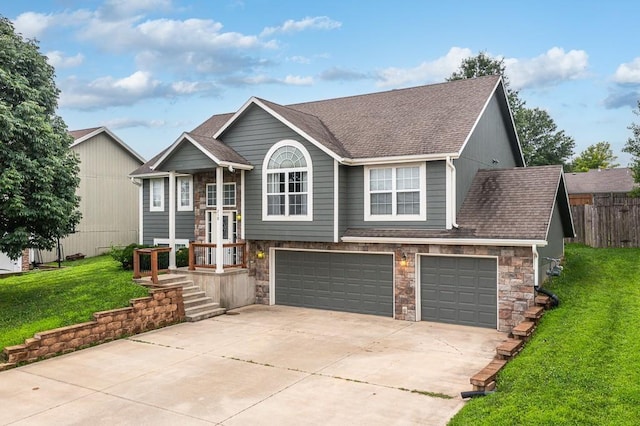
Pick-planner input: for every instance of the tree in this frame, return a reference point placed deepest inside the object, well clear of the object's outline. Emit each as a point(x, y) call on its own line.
point(596, 156)
point(38, 170)
point(633, 147)
point(540, 139)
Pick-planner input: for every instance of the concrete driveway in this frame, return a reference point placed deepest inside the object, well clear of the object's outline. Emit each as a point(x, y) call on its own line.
point(264, 365)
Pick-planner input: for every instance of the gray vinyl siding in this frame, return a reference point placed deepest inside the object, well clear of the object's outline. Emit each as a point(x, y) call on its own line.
point(343, 204)
point(187, 159)
point(252, 136)
point(490, 140)
point(436, 200)
point(555, 244)
point(156, 224)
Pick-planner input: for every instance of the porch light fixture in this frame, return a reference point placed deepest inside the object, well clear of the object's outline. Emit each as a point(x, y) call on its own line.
point(403, 260)
point(238, 217)
point(260, 254)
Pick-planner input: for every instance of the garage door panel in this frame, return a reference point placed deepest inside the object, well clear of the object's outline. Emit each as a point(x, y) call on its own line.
point(459, 290)
point(351, 282)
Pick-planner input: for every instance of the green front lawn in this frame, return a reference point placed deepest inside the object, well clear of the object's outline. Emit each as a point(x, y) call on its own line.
point(43, 300)
point(583, 365)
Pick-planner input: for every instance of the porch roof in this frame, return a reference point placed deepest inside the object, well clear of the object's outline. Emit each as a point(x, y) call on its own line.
point(210, 149)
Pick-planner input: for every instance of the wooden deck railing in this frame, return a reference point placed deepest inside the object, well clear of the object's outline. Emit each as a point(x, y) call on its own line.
point(203, 255)
point(144, 267)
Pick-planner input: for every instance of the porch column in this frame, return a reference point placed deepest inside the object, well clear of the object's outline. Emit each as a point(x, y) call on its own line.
point(219, 201)
point(172, 219)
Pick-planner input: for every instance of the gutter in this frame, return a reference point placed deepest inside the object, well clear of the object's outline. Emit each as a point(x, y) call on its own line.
point(447, 241)
point(452, 193)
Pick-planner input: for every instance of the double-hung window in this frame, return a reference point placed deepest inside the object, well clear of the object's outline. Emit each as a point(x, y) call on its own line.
point(287, 183)
point(185, 193)
point(395, 192)
point(156, 195)
point(228, 194)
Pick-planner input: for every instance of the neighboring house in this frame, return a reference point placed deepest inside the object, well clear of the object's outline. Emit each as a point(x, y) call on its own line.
point(8, 265)
point(108, 200)
point(410, 203)
point(583, 186)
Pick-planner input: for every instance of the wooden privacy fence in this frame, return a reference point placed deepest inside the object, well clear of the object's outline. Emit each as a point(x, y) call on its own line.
point(613, 220)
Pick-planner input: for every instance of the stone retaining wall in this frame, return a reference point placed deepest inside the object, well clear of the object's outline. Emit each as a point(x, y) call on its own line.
point(162, 307)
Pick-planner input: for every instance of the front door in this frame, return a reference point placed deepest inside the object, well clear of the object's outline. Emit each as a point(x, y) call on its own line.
point(229, 234)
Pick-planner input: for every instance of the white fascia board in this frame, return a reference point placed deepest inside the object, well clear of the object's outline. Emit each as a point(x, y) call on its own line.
point(150, 175)
point(399, 159)
point(114, 137)
point(447, 241)
point(201, 149)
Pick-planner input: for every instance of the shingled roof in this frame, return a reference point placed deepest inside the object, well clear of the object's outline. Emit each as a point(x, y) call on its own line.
point(432, 119)
point(600, 181)
point(514, 203)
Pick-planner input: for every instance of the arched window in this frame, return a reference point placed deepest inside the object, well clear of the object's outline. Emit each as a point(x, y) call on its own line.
point(287, 182)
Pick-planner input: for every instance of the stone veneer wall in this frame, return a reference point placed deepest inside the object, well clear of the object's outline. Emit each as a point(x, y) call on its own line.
point(515, 273)
point(162, 307)
point(25, 260)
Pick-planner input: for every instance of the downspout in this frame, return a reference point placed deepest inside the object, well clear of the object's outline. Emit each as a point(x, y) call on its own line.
point(172, 219)
point(451, 216)
point(536, 259)
point(138, 183)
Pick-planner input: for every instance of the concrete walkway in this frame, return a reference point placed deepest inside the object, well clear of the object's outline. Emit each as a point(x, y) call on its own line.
point(265, 365)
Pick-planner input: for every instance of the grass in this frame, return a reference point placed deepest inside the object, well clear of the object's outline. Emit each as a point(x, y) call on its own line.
point(583, 365)
point(43, 300)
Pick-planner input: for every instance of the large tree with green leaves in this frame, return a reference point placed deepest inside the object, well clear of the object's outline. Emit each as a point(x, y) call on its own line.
point(596, 156)
point(542, 142)
point(38, 170)
point(633, 147)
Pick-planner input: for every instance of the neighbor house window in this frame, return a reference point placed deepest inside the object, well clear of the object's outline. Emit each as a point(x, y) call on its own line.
point(156, 195)
point(287, 183)
point(185, 193)
point(228, 194)
point(395, 192)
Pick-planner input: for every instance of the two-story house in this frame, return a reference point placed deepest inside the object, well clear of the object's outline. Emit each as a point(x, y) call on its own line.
point(412, 203)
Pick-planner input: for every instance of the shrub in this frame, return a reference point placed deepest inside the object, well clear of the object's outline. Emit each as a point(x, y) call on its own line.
point(124, 255)
point(182, 257)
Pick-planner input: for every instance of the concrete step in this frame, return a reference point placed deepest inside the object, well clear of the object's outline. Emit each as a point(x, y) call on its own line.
point(193, 295)
point(192, 303)
point(201, 308)
point(210, 313)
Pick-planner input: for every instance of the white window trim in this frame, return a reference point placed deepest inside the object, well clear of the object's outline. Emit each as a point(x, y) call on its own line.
point(179, 206)
point(394, 217)
point(159, 208)
point(286, 217)
point(223, 185)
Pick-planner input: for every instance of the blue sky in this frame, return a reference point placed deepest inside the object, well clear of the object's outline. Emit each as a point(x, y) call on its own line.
point(151, 69)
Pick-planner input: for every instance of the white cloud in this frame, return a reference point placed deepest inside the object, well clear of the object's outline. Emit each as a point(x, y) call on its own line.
point(36, 25)
point(124, 123)
point(628, 73)
point(117, 9)
point(426, 72)
point(291, 26)
point(299, 59)
point(109, 91)
point(58, 59)
point(296, 80)
point(547, 69)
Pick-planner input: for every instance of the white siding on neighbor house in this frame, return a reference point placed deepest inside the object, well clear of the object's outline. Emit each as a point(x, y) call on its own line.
point(109, 200)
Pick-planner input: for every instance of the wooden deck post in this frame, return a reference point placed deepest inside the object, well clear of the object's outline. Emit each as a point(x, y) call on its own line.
point(136, 264)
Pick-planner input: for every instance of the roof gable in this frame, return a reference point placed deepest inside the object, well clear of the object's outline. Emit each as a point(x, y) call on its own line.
point(211, 149)
point(83, 135)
